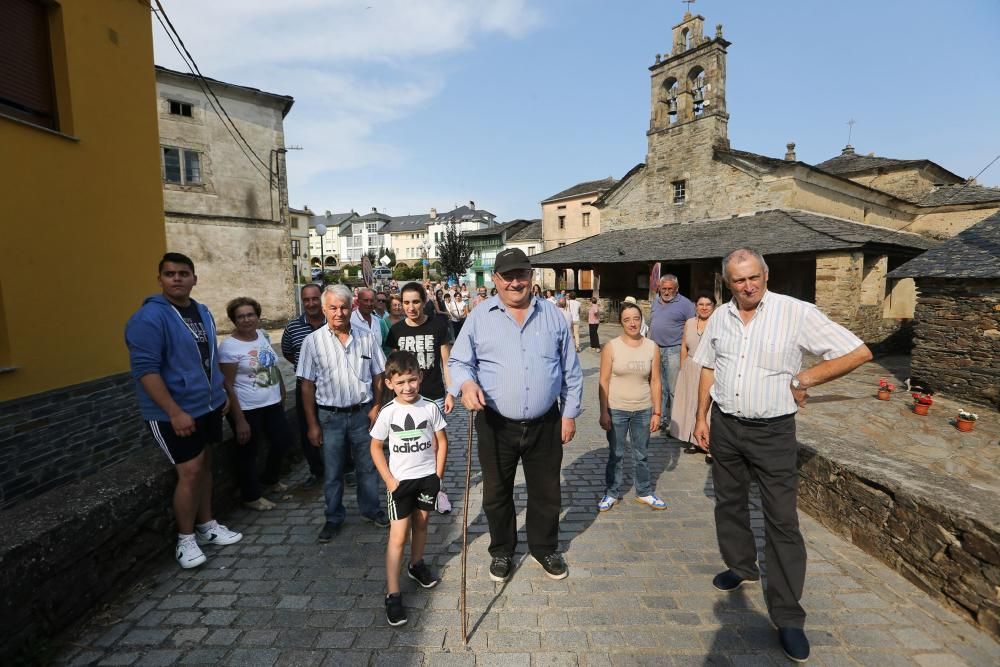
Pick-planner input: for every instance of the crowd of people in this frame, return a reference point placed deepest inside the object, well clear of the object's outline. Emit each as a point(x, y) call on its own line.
point(380, 370)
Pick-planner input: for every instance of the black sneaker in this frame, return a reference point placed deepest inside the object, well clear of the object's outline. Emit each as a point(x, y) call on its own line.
point(500, 568)
point(330, 530)
point(729, 581)
point(380, 519)
point(794, 643)
point(553, 564)
point(422, 574)
point(395, 613)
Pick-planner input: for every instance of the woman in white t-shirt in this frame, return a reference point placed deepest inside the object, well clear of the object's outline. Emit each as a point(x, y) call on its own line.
point(457, 311)
point(256, 402)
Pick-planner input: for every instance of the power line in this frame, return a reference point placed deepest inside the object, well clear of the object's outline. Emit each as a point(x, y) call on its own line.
point(206, 89)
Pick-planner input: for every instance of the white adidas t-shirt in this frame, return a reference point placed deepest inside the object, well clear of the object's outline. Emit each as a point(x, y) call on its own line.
point(410, 429)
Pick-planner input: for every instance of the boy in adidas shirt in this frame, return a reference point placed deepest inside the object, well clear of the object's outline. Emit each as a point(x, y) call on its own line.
point(418, 445)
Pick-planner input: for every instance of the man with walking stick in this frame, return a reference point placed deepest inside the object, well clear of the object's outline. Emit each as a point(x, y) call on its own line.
point(515, 366)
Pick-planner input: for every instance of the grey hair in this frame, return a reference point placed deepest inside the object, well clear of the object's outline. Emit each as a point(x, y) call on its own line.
point(361, 290)
point(671, 277)
point(741, 254)
point(341, 291)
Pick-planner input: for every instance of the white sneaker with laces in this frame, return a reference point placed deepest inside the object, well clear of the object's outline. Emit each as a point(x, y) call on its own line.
point(189, 554)
point(218, 535)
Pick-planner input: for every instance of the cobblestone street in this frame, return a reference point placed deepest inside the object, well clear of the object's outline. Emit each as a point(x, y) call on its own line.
point(639, 590)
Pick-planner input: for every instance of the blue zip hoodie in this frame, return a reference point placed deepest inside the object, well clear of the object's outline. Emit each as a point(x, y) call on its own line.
point(160, 342)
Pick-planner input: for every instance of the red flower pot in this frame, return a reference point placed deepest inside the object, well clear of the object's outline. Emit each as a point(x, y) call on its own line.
point(965, 424)
point(884, 395)
point(921, 408)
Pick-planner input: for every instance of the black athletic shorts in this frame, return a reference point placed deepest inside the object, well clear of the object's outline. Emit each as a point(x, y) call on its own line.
point(419, 493)
point(207, 428)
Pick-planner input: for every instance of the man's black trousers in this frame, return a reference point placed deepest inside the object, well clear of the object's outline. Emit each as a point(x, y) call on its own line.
point(765, 453)
point(538, 446)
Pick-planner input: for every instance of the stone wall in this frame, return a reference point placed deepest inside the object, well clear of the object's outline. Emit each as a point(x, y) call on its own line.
point(50, 439)
point(946, 553)
point(910, 184)
point(238, 259)
point(957, 344)
point(945, 224)
point(68, 550)
point(842, 282)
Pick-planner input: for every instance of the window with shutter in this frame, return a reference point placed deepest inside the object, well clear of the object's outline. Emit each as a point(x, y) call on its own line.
point(26, 82)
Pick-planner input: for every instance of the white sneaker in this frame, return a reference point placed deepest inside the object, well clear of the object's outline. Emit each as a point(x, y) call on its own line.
point(189, 554)
point(219, 535)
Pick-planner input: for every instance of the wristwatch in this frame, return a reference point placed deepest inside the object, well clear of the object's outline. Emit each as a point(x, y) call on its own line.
point(795, 383)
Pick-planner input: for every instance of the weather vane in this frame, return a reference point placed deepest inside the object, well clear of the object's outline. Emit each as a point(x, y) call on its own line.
point(850, 130)
point(688, 3)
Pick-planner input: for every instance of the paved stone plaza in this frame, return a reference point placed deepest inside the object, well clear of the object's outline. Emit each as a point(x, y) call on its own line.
point(639, 590)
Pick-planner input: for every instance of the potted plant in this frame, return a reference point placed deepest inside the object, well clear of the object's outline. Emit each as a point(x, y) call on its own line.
point(966, 420)
point(885, 389)
point(922, 401)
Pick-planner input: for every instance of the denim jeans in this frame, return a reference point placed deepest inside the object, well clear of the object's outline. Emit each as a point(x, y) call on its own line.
point(343, 432)
point(670, 366)
point(635, 424)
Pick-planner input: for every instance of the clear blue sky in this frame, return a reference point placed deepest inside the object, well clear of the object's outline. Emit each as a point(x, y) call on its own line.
point(409, 104)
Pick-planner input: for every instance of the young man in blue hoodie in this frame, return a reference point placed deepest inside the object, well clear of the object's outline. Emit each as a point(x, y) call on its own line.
point(172, 350)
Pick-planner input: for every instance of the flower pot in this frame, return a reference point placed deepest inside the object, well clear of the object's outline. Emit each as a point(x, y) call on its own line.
point(965, 424)
point(921, 408)
point(884, 395)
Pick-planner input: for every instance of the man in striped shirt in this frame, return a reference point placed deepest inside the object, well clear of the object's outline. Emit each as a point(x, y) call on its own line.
point(341, 368)
point(291, 343)
point(515, 365)
point(751, 359)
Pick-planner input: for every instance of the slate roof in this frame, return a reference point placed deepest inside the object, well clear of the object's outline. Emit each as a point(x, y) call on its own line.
point(531, 232)
point(406, 223)
point(493, 230)
point(775, 232)
point(464, 213)
point(974, 253)
point(848, 163)
point(285, 101)
point(584, 188)
point(333, 221)
point(960, 193)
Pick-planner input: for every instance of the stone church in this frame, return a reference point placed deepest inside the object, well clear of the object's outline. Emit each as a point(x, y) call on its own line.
point(831, 232)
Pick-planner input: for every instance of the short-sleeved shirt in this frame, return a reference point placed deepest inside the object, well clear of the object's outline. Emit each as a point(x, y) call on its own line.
point(342, 372)
point(666, 324)
point(410, 429)
point(425, 342)
point(291, 339)
point(754, 363)
point(375, 328)
point(574, 309)
point(258, 380)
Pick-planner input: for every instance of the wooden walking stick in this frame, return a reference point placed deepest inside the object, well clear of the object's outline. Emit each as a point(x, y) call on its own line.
point(465, 525)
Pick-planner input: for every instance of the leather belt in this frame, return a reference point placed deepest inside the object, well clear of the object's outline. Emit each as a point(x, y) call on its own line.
point(753, 421)
point(334, 408)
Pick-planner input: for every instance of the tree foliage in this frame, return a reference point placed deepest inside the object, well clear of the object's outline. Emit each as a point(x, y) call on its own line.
point(455, 252)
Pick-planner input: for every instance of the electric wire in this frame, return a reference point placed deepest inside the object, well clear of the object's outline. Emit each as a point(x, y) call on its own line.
point(206, 89)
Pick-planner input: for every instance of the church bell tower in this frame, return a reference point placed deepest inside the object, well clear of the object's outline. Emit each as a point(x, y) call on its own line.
point(689, 91)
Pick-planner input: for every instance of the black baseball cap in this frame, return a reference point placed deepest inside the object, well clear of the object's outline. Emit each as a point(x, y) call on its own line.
point(511, 259)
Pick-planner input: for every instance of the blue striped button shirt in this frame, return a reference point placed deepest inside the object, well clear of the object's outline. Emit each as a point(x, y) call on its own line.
point(343, 372)
point(754, 363)
point(521, 369)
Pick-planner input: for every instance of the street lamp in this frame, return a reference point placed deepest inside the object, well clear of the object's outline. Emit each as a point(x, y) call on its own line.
point(321, 232)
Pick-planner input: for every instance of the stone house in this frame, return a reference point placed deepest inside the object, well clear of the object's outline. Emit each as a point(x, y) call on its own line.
point(568, 216)
point(874, 212)
point(226, 201)
point(957, 327)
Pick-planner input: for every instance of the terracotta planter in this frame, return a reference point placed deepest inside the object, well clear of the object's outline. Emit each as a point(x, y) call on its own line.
point(921, 408)
point(884, 395)
point(965, 424)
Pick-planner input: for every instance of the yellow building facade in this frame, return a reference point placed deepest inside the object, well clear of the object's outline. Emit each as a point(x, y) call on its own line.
point(80, 183)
